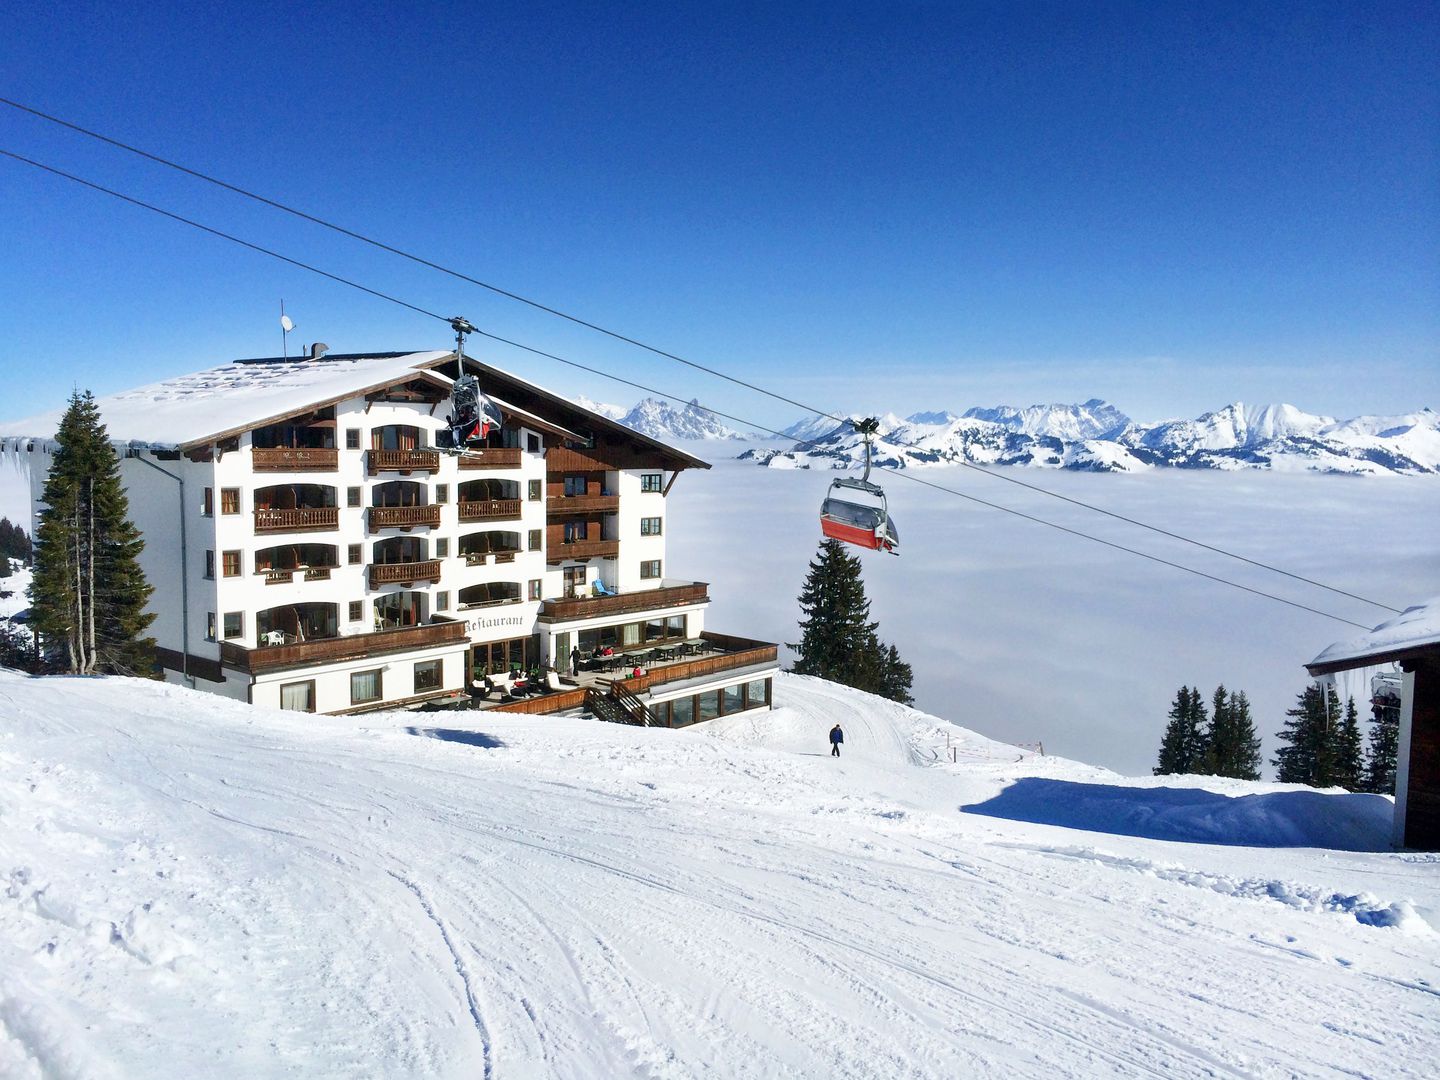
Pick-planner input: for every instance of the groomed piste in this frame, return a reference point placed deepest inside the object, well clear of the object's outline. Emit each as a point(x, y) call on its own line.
point(195, 887)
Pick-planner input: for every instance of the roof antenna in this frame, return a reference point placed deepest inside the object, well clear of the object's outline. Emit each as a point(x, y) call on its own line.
point(461, 326)
point(285, 327)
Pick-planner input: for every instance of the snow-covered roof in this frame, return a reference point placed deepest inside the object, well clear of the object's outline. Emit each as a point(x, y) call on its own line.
point(1414, 629)
point(197, 408)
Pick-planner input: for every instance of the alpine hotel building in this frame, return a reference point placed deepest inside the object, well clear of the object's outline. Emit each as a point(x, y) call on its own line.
point(310, 549)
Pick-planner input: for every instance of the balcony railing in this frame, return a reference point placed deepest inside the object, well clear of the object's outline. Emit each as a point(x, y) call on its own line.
point(306, 519)
point(490, 510)
point(353, 647)
point(584, 549)
point(504, 556)
point(404, 573)
point(318, 573)
point(581, 504)
point(404, 461)
point(404, 517)
point(294, 459)
point(691, 592)
point(278, 577)
point(492, 457)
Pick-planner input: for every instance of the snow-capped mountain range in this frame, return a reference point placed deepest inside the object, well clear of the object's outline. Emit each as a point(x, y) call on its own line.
point(661, 420)
point(1098, 437)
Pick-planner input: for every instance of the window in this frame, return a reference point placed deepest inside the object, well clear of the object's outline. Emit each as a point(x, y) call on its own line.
point(298, 696)
point(574, 485)
point(534, 540)
point(352, 438)
point(234, 624)
point(650, 568)
point(353, 554)
point(535, 588)
point(364, 686)
point(357, 611)
point(229, 500)
point(651, 481)
point(757, 693)
point(352, 496)
point(733, 699)
point(650, 526)
point(532, 443)
point(230, 565)
point(536, 491)
point(429, 675)
point(210, 564)
point(207, 507)
point(442, 493)
point(442, 548)
point(210, 626)
point(682, 712)
point(574, 531)
point(675, 626)
point(442, 601)
point(708, 705)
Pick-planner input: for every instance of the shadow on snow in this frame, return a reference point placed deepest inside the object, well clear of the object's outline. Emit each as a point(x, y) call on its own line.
point(1345, 822)
point(455, 735)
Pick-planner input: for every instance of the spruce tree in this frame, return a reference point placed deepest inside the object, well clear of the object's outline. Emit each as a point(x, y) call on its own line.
point(1349, 758)
point(1313, 734)
point(1232, 747)
point(1182, 747)
point(895, 678)
point(837, 639)
point(88, 593)
point(1384, 746)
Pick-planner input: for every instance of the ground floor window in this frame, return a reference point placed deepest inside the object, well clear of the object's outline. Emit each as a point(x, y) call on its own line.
point(364, 686)
point(682, 712)
point(627, 635)
point(298, 696)
point(429, 675)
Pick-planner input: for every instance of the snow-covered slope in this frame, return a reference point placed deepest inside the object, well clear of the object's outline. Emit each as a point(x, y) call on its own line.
point(1098, 437)
point(193, 887)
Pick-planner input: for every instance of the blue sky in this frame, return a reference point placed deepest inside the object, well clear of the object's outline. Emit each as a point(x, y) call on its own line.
point(878, 207)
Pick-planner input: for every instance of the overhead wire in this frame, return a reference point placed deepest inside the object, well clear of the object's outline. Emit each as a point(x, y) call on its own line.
point(340, 279)
point(616, 335)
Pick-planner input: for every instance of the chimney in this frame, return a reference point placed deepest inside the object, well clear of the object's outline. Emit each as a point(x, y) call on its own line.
point(318, 350)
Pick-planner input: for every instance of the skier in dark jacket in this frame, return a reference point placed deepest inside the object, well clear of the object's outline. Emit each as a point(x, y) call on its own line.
point(836, 738)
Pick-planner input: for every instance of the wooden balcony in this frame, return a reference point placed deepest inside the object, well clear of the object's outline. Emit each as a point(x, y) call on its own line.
point(306, 519)
point(318, 573)
point(294, 459)
point(404, 573)
point(504, 556)
point(492, 457)
point(692, 592)
point(329, 650)
point(583, 549)
point(403, 517)
point(404, 461)
point(581, 504)
point(278, 577)
point(490, 510)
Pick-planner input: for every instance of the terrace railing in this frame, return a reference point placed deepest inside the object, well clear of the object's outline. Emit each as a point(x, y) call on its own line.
point(581, 504)
point(327, 650)
point(690, 592)
point(490, 510)
point(294, 459)
point(403, 517)
point(583, 549)
point(305, 519)
point(404, 573)
point(492, 457)
point(404, 461)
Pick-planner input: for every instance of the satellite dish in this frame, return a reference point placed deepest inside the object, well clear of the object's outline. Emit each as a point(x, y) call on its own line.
point(286, 324)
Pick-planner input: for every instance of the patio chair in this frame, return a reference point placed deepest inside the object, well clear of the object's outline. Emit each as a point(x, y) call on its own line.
point(601, 590)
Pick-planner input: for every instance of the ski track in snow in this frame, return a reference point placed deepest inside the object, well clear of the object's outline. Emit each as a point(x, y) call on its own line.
point(193, 887)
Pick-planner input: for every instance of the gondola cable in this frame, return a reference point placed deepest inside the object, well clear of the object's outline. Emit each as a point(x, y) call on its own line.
point(653, 390)
point(537, 305)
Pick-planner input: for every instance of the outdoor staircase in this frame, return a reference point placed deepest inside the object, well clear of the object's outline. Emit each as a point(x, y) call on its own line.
point(618, 704)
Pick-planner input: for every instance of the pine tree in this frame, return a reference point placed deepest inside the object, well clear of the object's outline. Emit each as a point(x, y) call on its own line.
point(1349, 755)
point(1232, 747)
point(837, 639)
point(1384, 748)
point(1313, 732)
point(1182, 748)
point(895, 678)
point(88, 593)
point(14, 543)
